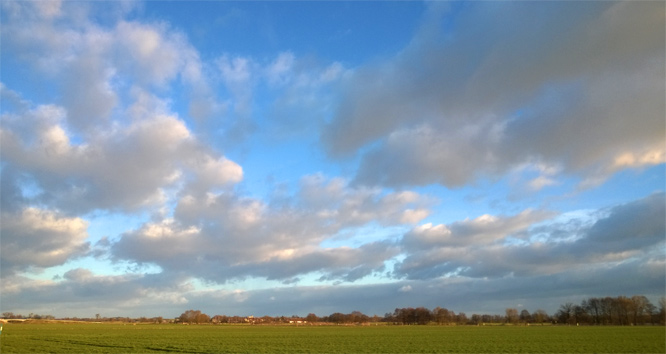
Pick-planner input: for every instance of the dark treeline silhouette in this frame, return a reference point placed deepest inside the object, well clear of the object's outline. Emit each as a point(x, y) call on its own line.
point(621, 310)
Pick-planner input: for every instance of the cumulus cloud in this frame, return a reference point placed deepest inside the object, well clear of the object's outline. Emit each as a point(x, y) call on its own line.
point(40, 238)
point(223, 237)
point(94, 65)
point(125, 168)
point(103, 136)
point(487, 246)
point(108, 141)
point(580, 86)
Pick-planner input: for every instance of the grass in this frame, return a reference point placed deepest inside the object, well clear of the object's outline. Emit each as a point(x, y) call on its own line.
point(119, 338)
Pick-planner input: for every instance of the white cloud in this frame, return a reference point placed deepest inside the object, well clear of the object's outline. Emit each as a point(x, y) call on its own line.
point(405, 289)
point(279, 71)
point(40, 238)
point(48, 9)
point(127, 167)
point(215, 172)
point(95, 64)
point(103, 136)
point(654, 156)
point(540, 182)
point(156, 57)
point(220, 237)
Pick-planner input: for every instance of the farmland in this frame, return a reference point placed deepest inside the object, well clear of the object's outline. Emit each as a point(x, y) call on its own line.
point(147, 338)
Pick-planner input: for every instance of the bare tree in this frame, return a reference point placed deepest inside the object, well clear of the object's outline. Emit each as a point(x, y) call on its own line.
point(641, 308)
point(539, 316)
point(512, 315)
point(193, 316)
point(594, 308)
point(565, 313)
point(441, 316)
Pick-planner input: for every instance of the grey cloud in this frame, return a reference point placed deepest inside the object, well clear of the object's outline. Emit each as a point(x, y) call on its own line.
point(632, 226)
point(609, 241)
point(482, 231)
point(84, 294)
point(39, 238)
point(10, 189)
point(87, 94)
point(224, 237)
point(424, 155)
point(343, 264)
point(576, 85)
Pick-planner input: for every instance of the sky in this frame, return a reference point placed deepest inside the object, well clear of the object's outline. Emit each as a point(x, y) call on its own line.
point(285, 158)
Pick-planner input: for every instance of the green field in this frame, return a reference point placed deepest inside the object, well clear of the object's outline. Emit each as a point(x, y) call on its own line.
point(147, 338)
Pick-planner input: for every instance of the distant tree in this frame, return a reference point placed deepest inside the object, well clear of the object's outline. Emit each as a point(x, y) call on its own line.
point(662, 310)
point(422, 315)
point(565, 313)
point(525, 316)
point(409, 315)
point(607, 309)
point(579, 314)
point(401, 315)
point(594, 309)
point(461, 318)
point(441, 315)
point(511, 315)
point(539, 316)
point(311, 317)
point(623, 306)
point(219, 319)
point(641, 309)
point(336, 317)
point(193, 316)
point(358, 317)
point(389, 317)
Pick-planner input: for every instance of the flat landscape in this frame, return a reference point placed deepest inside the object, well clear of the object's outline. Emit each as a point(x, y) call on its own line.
point(150, 338)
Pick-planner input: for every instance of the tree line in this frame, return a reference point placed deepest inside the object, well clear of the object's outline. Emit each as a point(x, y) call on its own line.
point(620, 310)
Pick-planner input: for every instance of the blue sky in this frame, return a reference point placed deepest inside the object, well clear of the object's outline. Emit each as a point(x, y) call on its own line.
point(279, 158)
